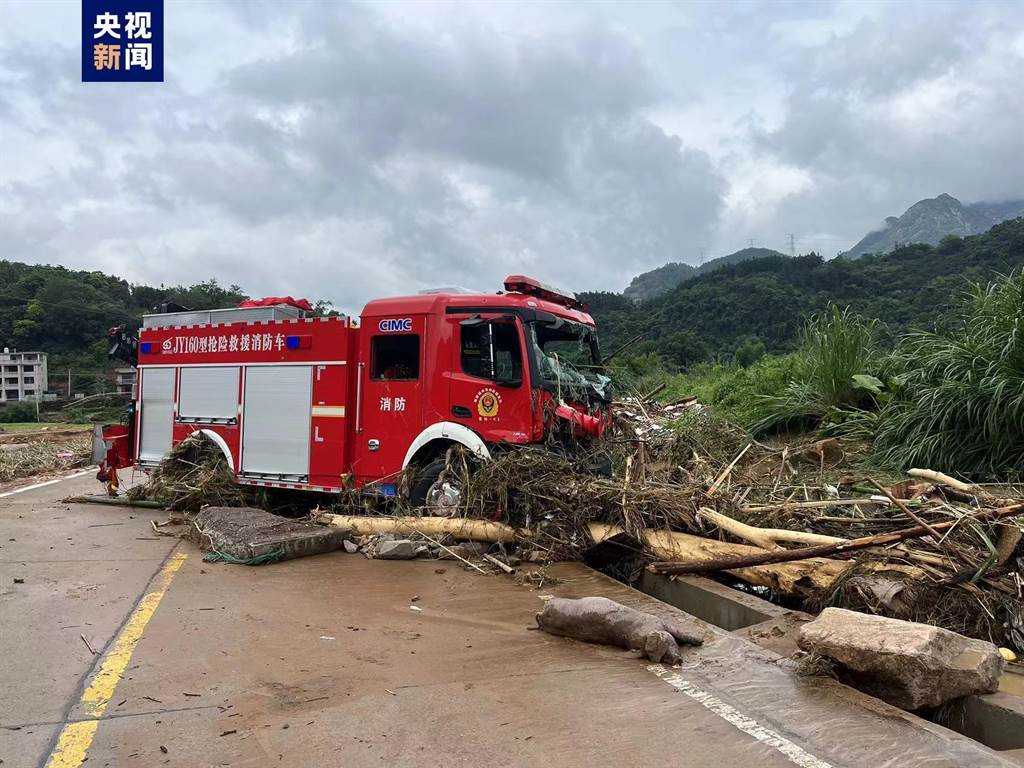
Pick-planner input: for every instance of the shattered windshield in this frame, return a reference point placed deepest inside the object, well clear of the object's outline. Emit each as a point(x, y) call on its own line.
point(568, 356)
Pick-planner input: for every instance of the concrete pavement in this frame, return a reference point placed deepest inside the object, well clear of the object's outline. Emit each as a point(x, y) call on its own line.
point(324, 661)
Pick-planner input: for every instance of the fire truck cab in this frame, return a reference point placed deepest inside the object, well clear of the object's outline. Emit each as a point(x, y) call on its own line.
point(328, 403)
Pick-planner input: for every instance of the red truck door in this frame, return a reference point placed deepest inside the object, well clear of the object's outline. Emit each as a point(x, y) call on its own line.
point(490, 387)
point(389, 394)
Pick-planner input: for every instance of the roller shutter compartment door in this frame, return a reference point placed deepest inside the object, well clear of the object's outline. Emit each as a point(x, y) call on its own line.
point(157, 417)
point(276, 420)
point(208, 394)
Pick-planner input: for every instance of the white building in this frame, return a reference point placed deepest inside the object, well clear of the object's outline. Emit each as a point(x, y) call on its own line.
point(126, 381)
point(22, 375)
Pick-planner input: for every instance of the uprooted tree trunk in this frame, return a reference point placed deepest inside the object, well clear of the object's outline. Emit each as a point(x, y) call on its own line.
point(793, 578)
point(788, 578)
point(458, 527)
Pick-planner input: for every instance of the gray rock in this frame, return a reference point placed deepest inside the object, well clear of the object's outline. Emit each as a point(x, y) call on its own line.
point(350, 546)
point(907, 664)
point(400, 549)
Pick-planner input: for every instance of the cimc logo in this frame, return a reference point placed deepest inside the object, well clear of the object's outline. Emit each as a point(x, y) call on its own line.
point(122, 41)
point(395, 324)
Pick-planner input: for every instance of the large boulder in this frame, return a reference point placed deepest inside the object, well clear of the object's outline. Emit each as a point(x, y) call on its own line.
point(904, 663)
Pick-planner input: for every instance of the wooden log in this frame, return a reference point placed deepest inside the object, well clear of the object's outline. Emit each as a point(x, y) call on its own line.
point(116, 501)
point(907, 511)
point(824, 550)
point(766, 538)
point(815, 574)
point(939, 478)
point(811, 575)
point(459, 527)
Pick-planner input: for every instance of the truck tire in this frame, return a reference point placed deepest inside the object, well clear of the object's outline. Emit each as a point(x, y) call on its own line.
point(425, 480)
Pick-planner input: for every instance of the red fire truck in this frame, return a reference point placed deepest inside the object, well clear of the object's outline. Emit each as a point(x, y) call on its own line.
point(328, 403)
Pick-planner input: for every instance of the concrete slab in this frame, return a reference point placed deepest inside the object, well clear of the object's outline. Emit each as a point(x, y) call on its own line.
point(710, 601)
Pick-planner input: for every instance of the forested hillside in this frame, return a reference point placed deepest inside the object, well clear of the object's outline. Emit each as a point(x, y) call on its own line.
point(766, 300)
point(67, 313)
point(663, 279)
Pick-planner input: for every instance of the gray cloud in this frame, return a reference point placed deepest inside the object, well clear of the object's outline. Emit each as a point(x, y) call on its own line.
point(348, 151)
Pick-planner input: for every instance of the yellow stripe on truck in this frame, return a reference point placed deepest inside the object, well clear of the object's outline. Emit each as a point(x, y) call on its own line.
point(329, 411)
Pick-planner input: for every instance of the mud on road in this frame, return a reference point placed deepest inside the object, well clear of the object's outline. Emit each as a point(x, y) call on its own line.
point(323, 660)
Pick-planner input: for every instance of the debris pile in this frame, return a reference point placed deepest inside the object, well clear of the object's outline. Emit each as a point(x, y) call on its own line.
point(33, 453)
point(690, 493)
point(192, 475)
point(693, 494)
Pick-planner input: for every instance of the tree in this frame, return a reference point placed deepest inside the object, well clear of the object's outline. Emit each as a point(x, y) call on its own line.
point(749, 352)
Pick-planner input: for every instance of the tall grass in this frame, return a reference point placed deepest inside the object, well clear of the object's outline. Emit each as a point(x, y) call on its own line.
point(838, 350)
point(959, 403)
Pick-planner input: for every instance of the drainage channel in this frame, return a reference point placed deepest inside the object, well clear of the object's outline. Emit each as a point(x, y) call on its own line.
point(995, 720)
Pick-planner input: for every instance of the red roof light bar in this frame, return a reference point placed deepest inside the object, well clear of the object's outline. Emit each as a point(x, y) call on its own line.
point(532, 287)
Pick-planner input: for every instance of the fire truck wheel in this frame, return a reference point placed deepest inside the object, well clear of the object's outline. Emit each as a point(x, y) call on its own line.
point(431, 490)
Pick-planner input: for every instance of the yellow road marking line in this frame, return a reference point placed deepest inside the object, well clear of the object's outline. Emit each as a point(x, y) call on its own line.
point(76, 738)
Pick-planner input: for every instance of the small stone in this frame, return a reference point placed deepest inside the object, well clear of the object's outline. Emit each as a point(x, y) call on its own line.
point(402, 549)
point(350, 546)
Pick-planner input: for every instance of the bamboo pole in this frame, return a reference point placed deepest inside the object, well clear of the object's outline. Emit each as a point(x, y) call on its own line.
point(725, 472)
point(817, 504)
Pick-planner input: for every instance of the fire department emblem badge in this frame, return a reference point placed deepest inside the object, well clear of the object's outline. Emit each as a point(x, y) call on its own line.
point(488, 401)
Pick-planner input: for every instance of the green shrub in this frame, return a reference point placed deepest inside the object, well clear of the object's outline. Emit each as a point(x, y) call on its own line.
point(749, 352)
point(18, 412)
point(832, 372)
point(958, 404)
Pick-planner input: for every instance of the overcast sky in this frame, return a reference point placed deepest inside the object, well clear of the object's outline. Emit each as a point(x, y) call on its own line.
point(346, 151)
